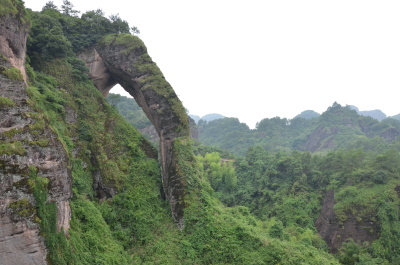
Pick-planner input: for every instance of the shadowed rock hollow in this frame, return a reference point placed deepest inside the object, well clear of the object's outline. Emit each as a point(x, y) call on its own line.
point(123, 59)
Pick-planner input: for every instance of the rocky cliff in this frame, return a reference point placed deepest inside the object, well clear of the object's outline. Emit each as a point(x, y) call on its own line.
point(335, 231)
point(30, 153)
point(58, 136)
point(14, 29)
point(123, 59)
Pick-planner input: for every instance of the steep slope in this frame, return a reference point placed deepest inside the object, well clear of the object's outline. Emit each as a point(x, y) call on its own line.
point(31, 155)
point(341, 127)
point(61, 126)
point(13, 33)
point(126, 60)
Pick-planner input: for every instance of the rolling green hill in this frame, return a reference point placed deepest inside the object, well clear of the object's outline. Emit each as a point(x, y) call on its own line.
point(337, 128)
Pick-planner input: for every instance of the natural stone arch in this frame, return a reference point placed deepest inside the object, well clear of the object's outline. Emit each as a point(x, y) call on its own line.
point(123, 59)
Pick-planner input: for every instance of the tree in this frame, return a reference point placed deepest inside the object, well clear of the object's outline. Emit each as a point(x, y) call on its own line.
point(68, 10)
point(46, 39)
point(50, 5)
point(135, 31)
point(119, 25)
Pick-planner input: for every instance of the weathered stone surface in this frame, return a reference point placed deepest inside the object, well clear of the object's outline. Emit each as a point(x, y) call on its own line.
point(98, 72)
point(194, 131)
point(127, 62)
point(334, 233)
point(20, 242)
point(153, 135)
point(13, 35)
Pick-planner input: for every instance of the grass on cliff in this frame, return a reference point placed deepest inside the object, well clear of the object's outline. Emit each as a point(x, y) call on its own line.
point(135, 226)
point(6, 103)
point(151, 75)
point(14, 8)
point(13, 74)
point(107, 146)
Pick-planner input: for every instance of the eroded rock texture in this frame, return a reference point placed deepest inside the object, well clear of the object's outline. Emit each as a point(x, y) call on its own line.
point(127, 63)
point(13, 34)
point(27, 144)
point(335, 232)
point(98, 72)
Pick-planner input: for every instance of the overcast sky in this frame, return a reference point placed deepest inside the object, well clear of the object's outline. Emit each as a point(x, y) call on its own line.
point(261, 59)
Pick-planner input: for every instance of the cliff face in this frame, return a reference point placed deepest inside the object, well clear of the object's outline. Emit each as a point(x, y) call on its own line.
point(29, 151)
point(123, 59)
point(14, 28)
point(98, 72)
point(335, 233)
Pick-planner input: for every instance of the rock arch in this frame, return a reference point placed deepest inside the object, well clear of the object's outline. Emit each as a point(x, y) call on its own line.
point(123, 59)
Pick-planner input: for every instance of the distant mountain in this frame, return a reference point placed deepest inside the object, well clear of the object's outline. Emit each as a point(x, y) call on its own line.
point(196, 118)
point(337, 128)
point(213, 116)
point(354, 108)
point(308, 114)
point(396, 117)
point(376, 114)
point(208, 117)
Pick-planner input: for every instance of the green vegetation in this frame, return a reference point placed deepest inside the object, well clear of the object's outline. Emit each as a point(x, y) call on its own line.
point(41, 142)
point(337, 128)
point(131, 43)
point(57, 35)
point(258, 207)
point(13, 74)
point(151, 78)
point(22, 207)
point(12, 148)
point(131, 111)
point(135, 225)
point(284, 190)
point(221, 173)
point(14, 8)
point(6, 103)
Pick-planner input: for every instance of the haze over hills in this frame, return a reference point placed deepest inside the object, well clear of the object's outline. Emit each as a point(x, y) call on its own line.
point(208, 117)
point(376, 114)
point(307, 114)
point(338, 127)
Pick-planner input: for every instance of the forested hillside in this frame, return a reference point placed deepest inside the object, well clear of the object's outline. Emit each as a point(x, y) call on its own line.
point(347, 192)
point(131, 111)
point(341, 195)
point(81, 185)
point(337, 128)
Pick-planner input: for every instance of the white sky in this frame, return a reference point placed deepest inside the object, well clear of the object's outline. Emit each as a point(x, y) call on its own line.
point(260, 59)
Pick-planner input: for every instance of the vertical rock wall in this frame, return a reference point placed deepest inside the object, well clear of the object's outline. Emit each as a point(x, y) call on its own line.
point(27, 144)
point(13, 34)
point(125, 60)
